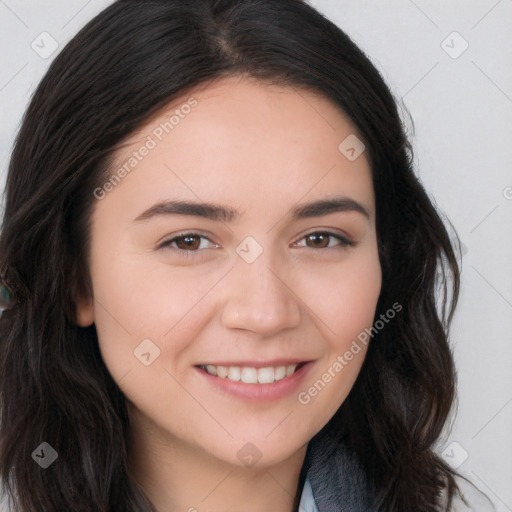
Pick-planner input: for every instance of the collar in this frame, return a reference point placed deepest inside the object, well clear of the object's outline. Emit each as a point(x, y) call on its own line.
point(307, 500)
point(337, 481)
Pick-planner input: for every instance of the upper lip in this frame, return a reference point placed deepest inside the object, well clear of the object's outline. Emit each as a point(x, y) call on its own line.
point(257, 364)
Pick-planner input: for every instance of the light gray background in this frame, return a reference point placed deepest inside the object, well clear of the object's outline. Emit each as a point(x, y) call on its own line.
point(462, 111)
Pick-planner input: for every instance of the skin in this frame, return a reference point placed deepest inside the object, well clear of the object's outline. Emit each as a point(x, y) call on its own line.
point(261, 149)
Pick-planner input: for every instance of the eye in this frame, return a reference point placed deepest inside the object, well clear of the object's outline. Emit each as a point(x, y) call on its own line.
point(321, 240)
point(186, 243)
point(190, 242)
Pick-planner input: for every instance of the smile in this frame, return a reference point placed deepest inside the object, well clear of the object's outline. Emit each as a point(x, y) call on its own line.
point(251, 375)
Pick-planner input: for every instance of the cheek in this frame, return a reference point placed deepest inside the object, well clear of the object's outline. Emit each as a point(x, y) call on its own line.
point(355, 299)
point(135, 302)
point(344, 302)
point(151, 298)
point(344, 296)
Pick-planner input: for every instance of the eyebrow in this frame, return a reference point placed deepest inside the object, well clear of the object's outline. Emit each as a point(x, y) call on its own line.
point(217, 212)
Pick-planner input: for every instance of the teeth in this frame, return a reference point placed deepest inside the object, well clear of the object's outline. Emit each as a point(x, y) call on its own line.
point(266, 375)
point(222, 371)
point(290, 369)
point(234, 373)
point(280, 372)
point(251, 375)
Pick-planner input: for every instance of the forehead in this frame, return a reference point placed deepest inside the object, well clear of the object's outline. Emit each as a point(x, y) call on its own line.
point(246, 142)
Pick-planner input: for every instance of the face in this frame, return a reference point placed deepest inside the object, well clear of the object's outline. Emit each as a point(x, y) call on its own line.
point(279, 273)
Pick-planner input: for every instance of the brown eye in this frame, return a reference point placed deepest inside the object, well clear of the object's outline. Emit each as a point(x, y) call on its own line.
point(322, 240)
point(188, 242)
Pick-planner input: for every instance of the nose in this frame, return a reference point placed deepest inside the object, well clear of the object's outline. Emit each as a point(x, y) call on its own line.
point(259, 298)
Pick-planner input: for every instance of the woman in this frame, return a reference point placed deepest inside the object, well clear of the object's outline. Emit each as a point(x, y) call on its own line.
point(220, 274)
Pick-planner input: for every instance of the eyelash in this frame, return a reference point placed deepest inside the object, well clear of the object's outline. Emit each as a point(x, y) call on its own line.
point(345, 242)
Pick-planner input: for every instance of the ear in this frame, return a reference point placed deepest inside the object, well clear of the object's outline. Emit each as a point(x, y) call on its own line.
point(84, 312)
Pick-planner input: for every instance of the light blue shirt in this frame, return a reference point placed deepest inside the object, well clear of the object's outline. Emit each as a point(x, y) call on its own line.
point(307, 501)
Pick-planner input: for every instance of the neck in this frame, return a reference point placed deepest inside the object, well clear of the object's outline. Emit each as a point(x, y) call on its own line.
point(180, 477)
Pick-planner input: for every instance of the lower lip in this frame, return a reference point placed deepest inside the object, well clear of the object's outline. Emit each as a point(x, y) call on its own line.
point(258, 392)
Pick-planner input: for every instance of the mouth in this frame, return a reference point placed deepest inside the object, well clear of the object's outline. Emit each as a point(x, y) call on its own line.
point(251, 374)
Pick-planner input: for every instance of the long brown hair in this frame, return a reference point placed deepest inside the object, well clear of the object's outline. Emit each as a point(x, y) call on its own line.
point(121, 68)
